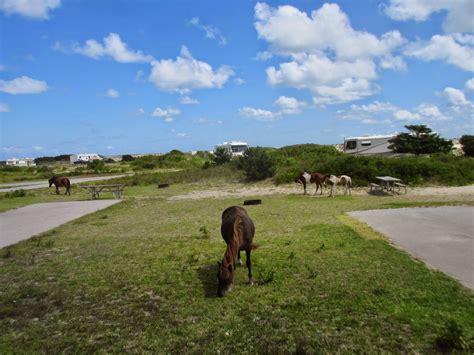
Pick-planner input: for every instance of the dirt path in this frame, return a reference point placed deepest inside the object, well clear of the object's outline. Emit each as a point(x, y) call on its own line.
point(295, 190)
point(23, 223)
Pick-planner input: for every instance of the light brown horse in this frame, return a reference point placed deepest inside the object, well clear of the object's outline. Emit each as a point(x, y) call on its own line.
point(60, 182)
point(311, 178)
point(238, 231)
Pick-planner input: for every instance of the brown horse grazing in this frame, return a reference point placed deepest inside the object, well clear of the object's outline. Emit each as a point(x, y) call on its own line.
point(312, 178)
point(238, 230)
point(344, 180)
point(60, 182)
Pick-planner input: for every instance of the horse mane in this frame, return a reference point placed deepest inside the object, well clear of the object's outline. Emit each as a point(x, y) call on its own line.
point(235, 242)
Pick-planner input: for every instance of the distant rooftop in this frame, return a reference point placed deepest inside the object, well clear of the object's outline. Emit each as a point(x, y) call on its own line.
point(373, 137)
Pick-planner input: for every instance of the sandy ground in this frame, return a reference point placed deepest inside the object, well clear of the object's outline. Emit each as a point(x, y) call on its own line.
point(295, 190)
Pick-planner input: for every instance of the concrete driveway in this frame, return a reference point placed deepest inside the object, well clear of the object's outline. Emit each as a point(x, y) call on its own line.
point(443, 237)
point(23, 223)
point(30, 185)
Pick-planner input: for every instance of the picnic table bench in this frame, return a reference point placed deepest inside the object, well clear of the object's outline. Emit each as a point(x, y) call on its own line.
point(388, 184)
point(95, 190)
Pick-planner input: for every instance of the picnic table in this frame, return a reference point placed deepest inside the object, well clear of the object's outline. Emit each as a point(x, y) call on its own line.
point(389, 184)
point(95, 190)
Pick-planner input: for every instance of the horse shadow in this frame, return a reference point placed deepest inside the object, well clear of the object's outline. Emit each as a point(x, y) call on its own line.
point(208, 276)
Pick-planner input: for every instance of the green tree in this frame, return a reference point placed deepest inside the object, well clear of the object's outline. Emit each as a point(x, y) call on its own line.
point(221, 156)
point(127, 157)
point(467, 143)
point(257, 164)
point(96, 165)
point(419, 140)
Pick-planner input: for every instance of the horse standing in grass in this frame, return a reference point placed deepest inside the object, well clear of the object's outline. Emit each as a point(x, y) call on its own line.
point(313, 178)
point(238, 231)
point(60, 182)
point(344, 180)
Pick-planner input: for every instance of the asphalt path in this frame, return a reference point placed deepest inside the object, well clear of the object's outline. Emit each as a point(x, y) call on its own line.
point(23, 223)
point(44, 183)
point(443, 237)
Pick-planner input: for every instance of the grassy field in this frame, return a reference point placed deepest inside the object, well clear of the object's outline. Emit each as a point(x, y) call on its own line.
point(141, 277)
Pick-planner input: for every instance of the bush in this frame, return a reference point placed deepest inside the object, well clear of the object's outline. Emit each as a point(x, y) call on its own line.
point(257, 164)
point(96, 165)
point(16, 193)
point(221, 156)
point(467, 143)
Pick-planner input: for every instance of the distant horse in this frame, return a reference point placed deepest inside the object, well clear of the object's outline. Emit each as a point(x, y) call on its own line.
point(60, 182)
point(238, 230)
point(344, 180)
point(313, 178)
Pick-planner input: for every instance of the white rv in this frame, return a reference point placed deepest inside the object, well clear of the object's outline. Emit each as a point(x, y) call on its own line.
point(368, 145)
point(234, 148)
point(83, 158)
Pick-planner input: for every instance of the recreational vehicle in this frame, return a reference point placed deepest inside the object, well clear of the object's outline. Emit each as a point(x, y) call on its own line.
point(368, 145)
point(234, 148)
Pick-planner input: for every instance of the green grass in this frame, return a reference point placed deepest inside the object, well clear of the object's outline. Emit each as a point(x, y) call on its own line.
point(140, 276)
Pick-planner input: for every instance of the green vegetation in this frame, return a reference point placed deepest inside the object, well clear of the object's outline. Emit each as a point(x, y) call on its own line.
point(175, 159)
point(221, 156)
point(141, 277)
point(420, 140)
point(257, 164)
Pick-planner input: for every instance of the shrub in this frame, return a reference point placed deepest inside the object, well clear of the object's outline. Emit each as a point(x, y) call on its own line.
point(467, 143)
point(257, 164)
point(221, 156)
point(16, 193)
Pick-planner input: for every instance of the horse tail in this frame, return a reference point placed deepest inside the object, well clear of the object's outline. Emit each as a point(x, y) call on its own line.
point(349, 181)
point(68, 183)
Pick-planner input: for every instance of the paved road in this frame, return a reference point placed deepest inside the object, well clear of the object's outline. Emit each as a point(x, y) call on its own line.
point(443, 237)
point(44, 183)
point(23, 223)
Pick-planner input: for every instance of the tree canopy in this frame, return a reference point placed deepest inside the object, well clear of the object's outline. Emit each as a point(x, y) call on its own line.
point(467, 143)
point(419, 140)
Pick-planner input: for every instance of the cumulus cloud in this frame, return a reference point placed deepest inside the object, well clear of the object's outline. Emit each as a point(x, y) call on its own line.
point(455, 96)
point(188, 100)
point(211, 32)
point(4, 107)
point(458, 19)
point(167, 115)
point(470, 84)
point(444, 47)
point(187, 73)
point(112, 93)
point(208, 121)
point(23, 85)
point(287, 106)
point(384, 112)
point(239, 81)
point(35, 9)
point(112, 46)
point(329, 58)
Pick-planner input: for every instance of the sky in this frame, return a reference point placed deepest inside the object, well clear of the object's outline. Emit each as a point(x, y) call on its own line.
point(141, 76)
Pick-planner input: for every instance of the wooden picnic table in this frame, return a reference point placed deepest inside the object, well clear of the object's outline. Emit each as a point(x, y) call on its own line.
point(95, 190)
point(389, 183)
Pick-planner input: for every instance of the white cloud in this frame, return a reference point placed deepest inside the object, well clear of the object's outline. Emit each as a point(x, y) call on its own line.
point(263, 56)
point(210, 31)
point(37, 148)
point(289, 105)
point(167, 114)
point(113, 47)
point(23, 85)
point(405, 115)
point(110, 147)
point(258, 114)
point(470, 84)
point(188, 100)
point(4, 107)
point(112, 93)
point(139, 76)
point(207, 121)
point(36, 9)
point(458, 19)
point(140, 111)
point(181, 135)
point(441, 47)
point(186, 73)
point(239, 81)
point(330, 58)
point(430, 111)
point(455, 97)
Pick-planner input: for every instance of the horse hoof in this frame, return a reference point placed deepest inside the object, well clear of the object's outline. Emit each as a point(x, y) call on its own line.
point(250, 282)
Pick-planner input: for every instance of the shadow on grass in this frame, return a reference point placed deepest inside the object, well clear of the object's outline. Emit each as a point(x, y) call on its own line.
point(208, 276)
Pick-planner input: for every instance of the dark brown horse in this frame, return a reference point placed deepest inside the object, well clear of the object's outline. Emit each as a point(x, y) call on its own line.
point(238, 230)
point(60, 182)
point(312, 178)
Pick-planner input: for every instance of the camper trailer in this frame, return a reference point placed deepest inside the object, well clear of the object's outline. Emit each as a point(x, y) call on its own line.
point(368, 145)
point(234, 148)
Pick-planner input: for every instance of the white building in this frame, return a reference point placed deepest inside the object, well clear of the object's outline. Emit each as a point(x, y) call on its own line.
point(21, 162)
point(368, 145)
point(234, 148)
point(84, 158)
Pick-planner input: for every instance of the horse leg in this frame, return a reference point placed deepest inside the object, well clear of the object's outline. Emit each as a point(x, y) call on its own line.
point(317, 185)
point(239, 260)
point(57, 190)
point(249, 265)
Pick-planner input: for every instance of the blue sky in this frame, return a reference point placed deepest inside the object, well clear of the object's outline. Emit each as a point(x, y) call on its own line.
point(118, 77)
